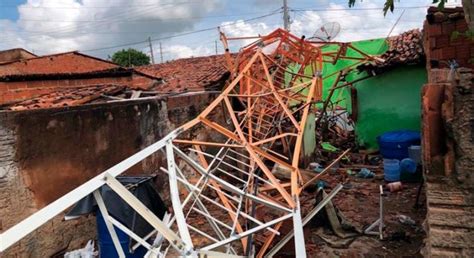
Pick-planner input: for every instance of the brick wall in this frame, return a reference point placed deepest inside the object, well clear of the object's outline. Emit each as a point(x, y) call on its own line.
point(70, 146)
point(448, 136)
point(438, 39)
point(54, 64)
point(14, 91)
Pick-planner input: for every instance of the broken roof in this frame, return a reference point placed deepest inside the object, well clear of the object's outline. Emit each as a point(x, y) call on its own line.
point(403, 49)
point(68, 97)
point(69, 62)
point(189, 74)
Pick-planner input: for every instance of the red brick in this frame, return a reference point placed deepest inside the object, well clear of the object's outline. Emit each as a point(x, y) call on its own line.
point(434, 30)
point(432, 42)
point(59, 63)
point(435, 54)
point(442, 41)
point(448, 53)
point(463, 51)
point(461, 25)
point(448, 27)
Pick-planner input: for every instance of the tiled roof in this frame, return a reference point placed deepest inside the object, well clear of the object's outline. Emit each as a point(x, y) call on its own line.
point(403, 49)
point(189, 74)
point(70, 62)
point(68, 97)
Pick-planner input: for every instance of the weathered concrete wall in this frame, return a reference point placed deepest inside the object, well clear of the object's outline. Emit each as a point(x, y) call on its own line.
point(46, 153)
point(448, 143)
point(14, 55)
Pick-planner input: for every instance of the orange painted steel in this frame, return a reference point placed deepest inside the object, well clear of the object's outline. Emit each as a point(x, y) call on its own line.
point(275, 83)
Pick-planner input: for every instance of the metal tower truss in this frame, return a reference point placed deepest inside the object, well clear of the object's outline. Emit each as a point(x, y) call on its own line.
point(225, 199)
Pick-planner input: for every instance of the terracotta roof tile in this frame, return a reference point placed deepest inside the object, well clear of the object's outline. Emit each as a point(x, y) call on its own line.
point(70, 62)
point(403, 49)
point(189, 74)
point(67, 97)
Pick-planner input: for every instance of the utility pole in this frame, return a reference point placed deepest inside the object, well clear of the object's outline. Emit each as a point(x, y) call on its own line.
point(215, 43)
point(161, 53)
point(286, 16)
point(151, 51)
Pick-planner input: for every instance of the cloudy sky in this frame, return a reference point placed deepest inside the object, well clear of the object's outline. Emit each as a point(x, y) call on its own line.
point(185, 27)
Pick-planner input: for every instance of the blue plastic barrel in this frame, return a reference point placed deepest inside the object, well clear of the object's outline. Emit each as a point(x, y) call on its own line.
point(394, 144)
point(106, 245)
point(391, 170)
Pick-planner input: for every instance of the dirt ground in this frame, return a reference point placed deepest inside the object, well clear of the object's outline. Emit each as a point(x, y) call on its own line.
point(358, 201)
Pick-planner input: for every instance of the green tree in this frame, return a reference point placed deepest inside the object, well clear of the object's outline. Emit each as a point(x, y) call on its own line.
point(467, 5)
point(130, 57)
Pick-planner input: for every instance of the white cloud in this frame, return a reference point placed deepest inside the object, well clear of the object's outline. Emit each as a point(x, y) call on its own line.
point(183, 51)
point(360, 24)
point(91, 24)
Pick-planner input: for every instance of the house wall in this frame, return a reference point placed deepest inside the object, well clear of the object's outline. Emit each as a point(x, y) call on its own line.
point(389, 101)
point(22, 90)
point(53, 64)
point(442, 44)
point(14, 55)
point(46, 153)
point(448, 138)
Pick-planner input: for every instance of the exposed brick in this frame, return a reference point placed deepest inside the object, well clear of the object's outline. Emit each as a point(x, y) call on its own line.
point(463, 51)
point(442, 41)
point(71, 62)
point(448, 28)
point(448, 53)
point(435, 54)
point(461, 25)
point(434, 30)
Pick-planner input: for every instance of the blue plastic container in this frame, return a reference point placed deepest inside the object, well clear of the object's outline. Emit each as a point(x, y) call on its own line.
point(394, 144)
point(391, 170)
point(414, 152)
point(106, 245)
point(408, 165)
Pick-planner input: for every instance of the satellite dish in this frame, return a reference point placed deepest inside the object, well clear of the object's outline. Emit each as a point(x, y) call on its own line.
point(327, 32)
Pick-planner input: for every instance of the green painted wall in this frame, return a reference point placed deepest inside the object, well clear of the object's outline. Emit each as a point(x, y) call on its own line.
point(389, 101)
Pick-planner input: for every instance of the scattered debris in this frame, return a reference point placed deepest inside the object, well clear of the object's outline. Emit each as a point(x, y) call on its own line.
point(86, 252)
point(405, 220)
point(395, 186)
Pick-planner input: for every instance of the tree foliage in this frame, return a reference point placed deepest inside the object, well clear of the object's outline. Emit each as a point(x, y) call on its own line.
point(390, 5)
point(130, 57)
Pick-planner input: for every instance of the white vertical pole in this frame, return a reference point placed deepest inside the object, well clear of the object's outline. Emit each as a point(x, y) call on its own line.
point(175, 200)
point(110, 226)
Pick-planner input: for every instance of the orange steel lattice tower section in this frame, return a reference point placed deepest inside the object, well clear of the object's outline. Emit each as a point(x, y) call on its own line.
point(226, 200)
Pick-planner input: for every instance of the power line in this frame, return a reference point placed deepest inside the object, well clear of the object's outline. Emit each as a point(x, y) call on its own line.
point(357, 9)
point(124, 12)
point(180, 34)
point(23, 6)
point(140, 20)
point(73, 28)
